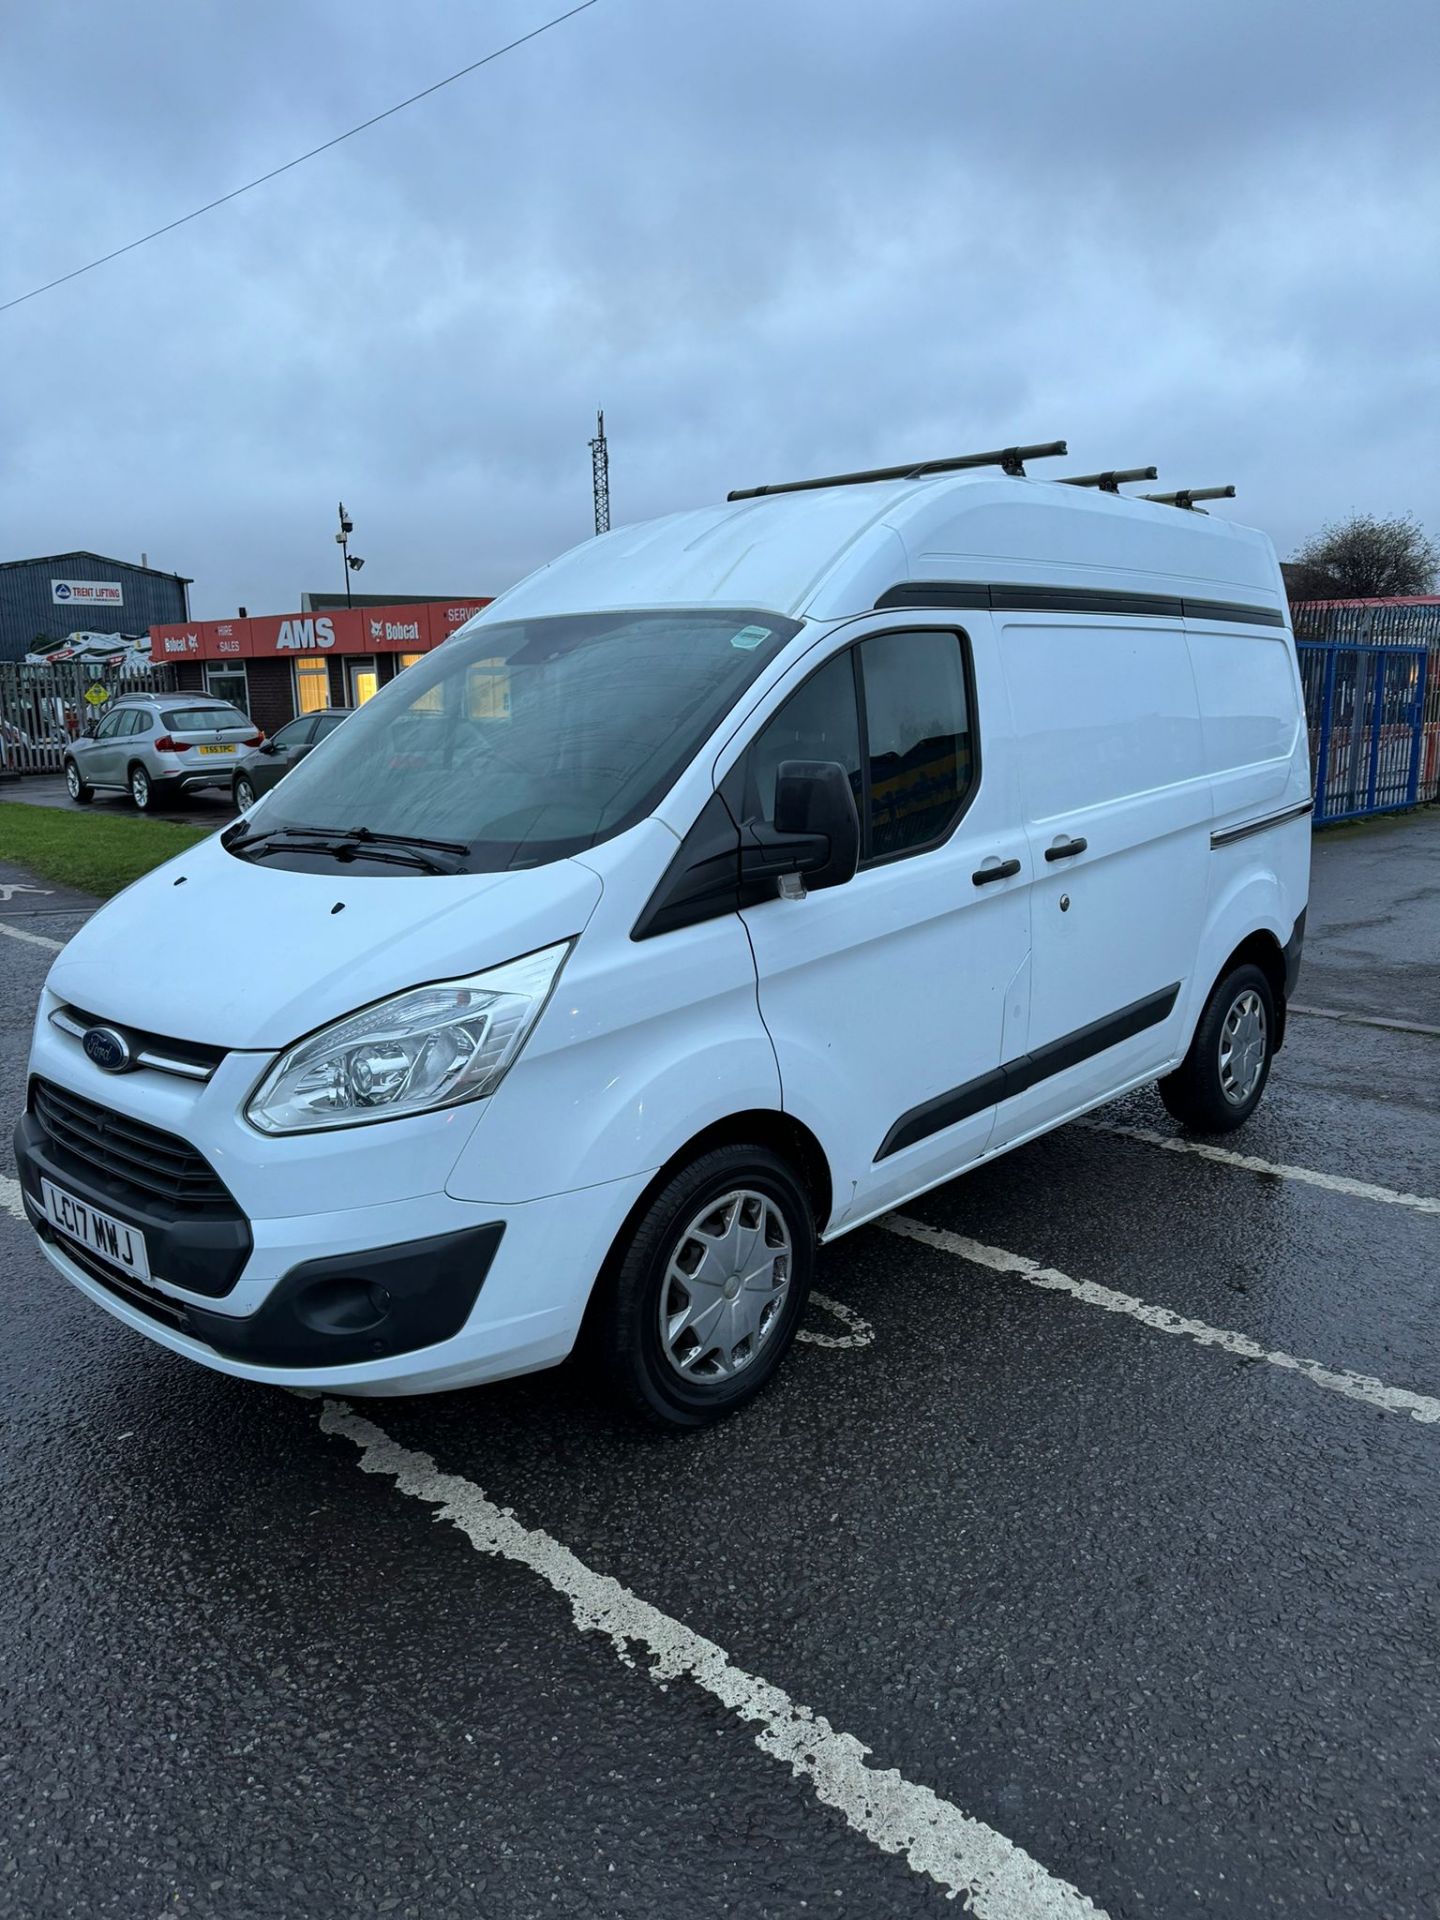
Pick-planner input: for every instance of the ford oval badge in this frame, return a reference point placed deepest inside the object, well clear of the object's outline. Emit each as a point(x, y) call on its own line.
point(108, 1049)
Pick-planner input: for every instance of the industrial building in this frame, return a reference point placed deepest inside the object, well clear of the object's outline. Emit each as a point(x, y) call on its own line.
point(44, 599)
point(282, 664)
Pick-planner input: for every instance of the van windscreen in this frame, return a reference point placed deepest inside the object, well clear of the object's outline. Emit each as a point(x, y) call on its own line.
point(527, 741)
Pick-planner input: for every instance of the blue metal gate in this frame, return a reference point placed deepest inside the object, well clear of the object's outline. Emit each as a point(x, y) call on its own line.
point(1366, 708)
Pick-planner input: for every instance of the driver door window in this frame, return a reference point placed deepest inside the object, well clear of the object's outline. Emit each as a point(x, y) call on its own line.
point(820, 721)
point(895, 712)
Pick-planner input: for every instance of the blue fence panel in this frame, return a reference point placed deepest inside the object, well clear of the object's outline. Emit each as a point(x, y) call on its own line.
point(1365, 705)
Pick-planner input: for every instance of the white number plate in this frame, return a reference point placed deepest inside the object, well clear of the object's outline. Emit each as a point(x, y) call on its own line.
point(122, 1246)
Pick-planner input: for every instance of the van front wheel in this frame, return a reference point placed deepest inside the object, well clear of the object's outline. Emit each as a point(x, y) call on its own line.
point(1218, 1084)
point(710, 1288)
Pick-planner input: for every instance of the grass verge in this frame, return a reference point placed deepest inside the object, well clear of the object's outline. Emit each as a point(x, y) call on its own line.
point(92, 852)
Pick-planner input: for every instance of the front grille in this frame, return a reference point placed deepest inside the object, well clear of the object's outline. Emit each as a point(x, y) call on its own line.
point(188, 1058)
point(142, 1156)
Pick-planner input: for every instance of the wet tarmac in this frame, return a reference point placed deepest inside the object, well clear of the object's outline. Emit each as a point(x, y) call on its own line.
point(1114, 1527)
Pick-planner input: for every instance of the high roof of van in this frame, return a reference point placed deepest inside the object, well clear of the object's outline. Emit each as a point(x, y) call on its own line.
point(833, 552)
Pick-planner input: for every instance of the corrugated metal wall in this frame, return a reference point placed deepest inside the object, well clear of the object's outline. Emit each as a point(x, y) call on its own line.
point(28, 608)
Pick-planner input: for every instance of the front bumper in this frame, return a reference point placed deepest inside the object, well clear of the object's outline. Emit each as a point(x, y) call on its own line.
point(408, 1296)
point(220, 774)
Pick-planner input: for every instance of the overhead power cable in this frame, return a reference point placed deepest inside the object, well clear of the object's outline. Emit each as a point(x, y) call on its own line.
point(300, 159)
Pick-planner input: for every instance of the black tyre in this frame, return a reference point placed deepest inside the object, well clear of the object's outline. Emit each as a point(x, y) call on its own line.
point(146, 793)
point(1218, 1084)
point(80, 791)
point(705, 1298)
point(244, 794)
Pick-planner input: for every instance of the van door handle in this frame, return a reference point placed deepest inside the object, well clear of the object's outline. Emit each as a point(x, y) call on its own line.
point(1002, 870)
point(1065, 849)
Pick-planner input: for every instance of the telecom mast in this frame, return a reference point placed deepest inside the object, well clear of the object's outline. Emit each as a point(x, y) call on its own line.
point(600, 474)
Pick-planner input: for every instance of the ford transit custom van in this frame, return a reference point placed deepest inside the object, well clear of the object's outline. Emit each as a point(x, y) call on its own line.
point(724, 885)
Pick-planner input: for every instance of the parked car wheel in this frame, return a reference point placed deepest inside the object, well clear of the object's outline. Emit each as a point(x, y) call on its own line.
point(1218, 1084)
point(710, 1288)
point(79, 790)
point(145, 792)
point(244, 794)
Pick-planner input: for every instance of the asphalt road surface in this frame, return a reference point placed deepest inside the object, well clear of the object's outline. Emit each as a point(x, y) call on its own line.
point(1086, 1551)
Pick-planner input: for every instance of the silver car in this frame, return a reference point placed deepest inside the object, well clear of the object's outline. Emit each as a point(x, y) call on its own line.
point(155, 746)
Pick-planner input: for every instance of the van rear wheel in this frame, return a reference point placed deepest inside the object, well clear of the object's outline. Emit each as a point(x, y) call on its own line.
point(710, 1288)
point(1218, 1084)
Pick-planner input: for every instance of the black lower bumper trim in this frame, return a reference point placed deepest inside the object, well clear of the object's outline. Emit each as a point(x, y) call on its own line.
point(359, 1306)
point(1294, 947)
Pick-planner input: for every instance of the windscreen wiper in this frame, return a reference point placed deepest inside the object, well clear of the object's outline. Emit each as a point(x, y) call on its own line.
point(367, 834)
point(396, 849)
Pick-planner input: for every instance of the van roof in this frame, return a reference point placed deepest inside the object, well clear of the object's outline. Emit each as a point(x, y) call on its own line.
point(834, 552)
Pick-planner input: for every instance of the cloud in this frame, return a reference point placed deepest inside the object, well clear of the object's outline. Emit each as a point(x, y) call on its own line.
point(769, 238)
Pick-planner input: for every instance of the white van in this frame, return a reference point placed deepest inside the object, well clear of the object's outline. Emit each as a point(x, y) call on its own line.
point(727, 883)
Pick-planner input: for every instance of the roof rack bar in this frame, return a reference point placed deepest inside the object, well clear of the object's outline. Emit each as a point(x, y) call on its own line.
point(1010, 459)
point(1187, 496)
point(1110, 482)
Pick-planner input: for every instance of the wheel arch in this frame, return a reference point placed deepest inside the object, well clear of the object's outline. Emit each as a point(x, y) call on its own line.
point(781, 1132)
point(1261, 949)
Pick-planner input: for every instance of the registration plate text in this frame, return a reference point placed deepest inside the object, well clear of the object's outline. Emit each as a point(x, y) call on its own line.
point(102, 1233)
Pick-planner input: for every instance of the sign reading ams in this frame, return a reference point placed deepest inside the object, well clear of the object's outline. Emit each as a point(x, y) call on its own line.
point(302, 634)
point(87, 593)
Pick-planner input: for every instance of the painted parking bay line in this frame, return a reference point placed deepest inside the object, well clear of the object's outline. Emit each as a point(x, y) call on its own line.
point(10, 1198)
point(30, 939)
point(1250, 1163)
point(858, 1331)
point(1354, 1386)
point(996, 1878)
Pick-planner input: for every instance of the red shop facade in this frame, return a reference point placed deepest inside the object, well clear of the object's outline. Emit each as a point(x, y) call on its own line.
point(291, 663)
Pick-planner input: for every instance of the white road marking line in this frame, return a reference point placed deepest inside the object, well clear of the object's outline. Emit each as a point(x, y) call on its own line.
point(998, 1880)
point(1332, 1182)
point(10, 1197)
point(1365, 1020)
point(861, 1333)
point(1354, 1386)
point(32, 939)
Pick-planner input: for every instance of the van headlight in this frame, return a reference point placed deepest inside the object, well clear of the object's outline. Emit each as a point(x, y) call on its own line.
point(432, 1047)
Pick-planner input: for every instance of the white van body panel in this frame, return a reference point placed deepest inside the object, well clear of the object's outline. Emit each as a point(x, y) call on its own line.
point(207, 981)
point(831, 554)
point(883, 994)
point(640, 1050)
point(1169, 739)
point(1108, 750)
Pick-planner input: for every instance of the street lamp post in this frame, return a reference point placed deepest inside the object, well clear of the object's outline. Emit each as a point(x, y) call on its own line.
point(349, 562)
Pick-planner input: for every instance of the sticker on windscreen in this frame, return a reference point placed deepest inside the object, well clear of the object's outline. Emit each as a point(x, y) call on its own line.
point(749, 637)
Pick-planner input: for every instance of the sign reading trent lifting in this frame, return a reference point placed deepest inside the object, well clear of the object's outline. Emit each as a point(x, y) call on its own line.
point(87, 593)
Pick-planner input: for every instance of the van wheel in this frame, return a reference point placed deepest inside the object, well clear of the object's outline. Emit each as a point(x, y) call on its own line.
point(1218, 1084)
point(710, 1288)
point(79, 790)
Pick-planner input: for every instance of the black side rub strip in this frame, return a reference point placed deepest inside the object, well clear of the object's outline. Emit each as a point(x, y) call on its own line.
point(1225, 835)
point(999, 598)
point(1003, 1083)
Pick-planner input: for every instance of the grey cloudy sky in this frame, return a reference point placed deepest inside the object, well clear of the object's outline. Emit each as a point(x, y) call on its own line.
point(772, 237)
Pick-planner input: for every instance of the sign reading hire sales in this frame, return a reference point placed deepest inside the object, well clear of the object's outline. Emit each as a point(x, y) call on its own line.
point(87, 593)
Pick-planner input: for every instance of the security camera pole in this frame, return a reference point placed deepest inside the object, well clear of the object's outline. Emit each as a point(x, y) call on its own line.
point(342, 540)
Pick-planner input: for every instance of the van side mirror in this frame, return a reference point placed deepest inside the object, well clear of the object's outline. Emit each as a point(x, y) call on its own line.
point(816, 835)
